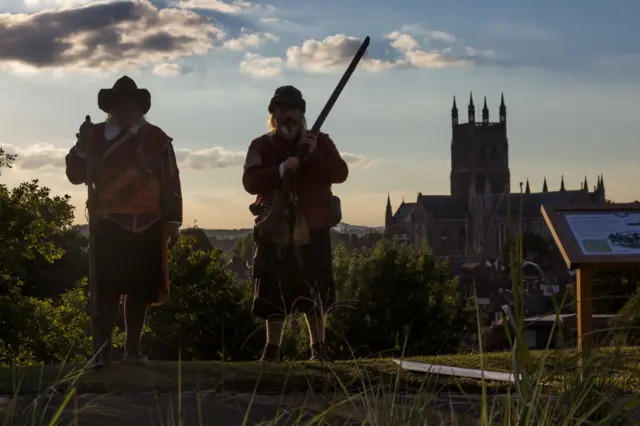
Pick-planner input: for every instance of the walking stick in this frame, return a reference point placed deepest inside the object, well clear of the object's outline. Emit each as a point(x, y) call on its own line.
point(91, 194)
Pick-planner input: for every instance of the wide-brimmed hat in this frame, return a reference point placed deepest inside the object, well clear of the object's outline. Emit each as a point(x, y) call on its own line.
point(124, 87)
point(288, 95)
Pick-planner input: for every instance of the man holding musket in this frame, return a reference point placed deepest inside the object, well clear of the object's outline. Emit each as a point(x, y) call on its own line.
point(292, 268)
point(135, 215)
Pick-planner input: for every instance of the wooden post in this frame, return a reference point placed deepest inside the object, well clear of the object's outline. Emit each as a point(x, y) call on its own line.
point(584, 312)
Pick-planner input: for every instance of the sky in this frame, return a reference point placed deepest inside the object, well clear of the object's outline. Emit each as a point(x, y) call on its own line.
point(569, 71)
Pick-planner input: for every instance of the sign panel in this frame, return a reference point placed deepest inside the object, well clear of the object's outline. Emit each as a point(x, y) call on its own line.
point(604, 235)
point(606, 232)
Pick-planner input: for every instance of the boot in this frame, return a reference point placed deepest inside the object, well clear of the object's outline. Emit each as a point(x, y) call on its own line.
point(271, 353)
point(135, 312)
point(102, 347)
point(319, 352)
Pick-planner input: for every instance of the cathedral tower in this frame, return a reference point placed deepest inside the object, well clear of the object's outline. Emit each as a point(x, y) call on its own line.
point(479, 151)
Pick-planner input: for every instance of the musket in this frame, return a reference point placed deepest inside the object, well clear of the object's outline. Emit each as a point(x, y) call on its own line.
point(91, 203)
point(273, 223)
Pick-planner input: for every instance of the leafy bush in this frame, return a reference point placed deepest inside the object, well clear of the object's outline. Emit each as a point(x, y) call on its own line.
point(207, 317)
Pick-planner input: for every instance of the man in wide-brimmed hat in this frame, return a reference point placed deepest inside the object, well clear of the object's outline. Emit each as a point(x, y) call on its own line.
point(137, 212)
point(292, 268)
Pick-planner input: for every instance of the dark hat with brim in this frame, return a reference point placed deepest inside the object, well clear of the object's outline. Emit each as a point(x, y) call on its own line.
point(125, 87)
point(288, 95)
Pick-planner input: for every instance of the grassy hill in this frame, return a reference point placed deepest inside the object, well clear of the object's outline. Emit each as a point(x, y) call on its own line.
point(301, 376)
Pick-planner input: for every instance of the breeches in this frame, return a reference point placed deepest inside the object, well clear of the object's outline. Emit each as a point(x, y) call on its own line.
point(126, 264)
point(283, 284)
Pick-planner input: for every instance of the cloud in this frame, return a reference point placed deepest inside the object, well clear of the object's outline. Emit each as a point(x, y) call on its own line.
point(441, 36)
point(38, 156)
point(331, 54)
point(167, 70)
point(47, 156)
point(104, 35)
point(234, 7)
point(210, 158)
point(249, 40)
point(54, 4)
point(335, 52)
point(258, 66)
point(414, 55)
point(357, 161)
point(471, 52)
point(276, 21)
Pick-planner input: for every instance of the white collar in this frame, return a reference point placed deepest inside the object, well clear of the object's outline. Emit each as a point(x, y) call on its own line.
point(111, 130)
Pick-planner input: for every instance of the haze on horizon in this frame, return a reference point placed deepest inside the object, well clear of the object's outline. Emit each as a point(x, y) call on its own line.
point(569, 71)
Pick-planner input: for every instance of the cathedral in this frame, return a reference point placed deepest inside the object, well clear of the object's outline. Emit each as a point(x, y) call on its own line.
point(473, 222)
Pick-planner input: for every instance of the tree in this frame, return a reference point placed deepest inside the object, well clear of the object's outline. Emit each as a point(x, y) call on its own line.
point(613, 288)
point(395, 293)
point(627, 324)
point(207, 316)
point(31, 221)
point(243, 250)
point(201, 240)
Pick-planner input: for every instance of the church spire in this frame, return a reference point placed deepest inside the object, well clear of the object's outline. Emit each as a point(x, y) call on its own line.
point(471, 109)
point(562, 183)
point(527, 188)
point(485, 112)
point(545, 188)
point(585, 185)
point(503, 109)
point(454, 113)
point(388, 216)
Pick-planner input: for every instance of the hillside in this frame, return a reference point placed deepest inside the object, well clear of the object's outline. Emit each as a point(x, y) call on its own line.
point(230, 234)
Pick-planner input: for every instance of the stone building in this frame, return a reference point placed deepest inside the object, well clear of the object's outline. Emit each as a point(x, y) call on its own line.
point(473, 221)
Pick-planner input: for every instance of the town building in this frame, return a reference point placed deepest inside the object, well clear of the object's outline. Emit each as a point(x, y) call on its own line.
point(474, 221)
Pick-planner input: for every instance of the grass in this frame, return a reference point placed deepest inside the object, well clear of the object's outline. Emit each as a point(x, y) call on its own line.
point(303, 376)
point(551, 389)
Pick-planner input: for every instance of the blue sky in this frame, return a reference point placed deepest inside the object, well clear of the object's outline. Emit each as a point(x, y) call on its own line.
point(569, 71)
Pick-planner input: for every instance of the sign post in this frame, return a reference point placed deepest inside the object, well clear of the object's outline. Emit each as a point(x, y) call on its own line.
point(590, 238)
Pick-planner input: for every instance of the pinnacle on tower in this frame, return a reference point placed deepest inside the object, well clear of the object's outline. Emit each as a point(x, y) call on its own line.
point(471, 109)
point(503, 109)
point(454, 112)
point(545, 188)
point(528, 188)
point(585, 185)
point(562, 183)
point(485, 112)
point(602, 183)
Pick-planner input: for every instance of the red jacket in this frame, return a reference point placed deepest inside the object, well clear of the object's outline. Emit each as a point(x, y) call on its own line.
point(322, 168)
point(137, 183)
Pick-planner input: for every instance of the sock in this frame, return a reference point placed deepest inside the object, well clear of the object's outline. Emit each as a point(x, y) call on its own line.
point(275, 328)
point(135, 312)
point(316, 326)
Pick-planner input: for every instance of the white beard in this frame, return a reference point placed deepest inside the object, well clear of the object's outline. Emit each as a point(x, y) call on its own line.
point(289, 130)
